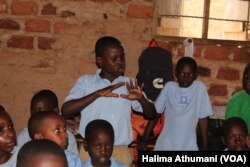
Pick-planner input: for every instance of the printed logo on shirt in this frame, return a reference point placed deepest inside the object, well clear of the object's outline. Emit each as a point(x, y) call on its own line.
point(184, 100)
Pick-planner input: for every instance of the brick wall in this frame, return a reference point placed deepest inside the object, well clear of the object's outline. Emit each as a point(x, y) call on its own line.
point(49, 44)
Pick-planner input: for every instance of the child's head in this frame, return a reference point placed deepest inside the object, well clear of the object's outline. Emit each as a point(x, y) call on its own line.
point(110, 57)
point(186, 71)
point(7, 132)
point(40, 153)
point(234, 134)
point(246, 78)
point(44, 100)
point(48, 125)
point(99, 140)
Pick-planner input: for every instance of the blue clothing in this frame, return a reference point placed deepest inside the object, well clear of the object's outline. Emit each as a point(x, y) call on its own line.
point(12, 161)
point(183, 107)
point(114, 163)
point(73, 159)
point(116, 111)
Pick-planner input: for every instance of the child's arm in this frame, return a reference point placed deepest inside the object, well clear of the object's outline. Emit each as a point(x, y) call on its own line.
point(135, 93)
point(203, 126)
point(73, 107)
point(142, 141)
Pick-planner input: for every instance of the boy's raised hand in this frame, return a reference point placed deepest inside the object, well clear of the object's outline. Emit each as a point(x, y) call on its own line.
point(107, 92)
point(135, 91)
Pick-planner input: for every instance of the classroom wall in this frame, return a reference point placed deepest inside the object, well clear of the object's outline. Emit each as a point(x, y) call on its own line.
point(50, 43)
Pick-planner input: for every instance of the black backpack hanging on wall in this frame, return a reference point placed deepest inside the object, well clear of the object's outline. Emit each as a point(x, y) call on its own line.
point(155, 69)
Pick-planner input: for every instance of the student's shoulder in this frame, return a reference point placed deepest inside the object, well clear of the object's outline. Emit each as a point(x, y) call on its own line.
point(115, 163)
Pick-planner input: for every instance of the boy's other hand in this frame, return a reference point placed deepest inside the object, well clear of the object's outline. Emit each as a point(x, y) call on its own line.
point(107, 92)
point(135, 91)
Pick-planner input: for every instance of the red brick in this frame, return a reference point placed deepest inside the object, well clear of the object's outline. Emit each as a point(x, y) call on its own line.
point(166, 45)
point(49, 9)
point(241, 55)
point(217, 90)
point(140, 11)
point(123, 1)
point(3, 6)
point(204, 71)
point(237, 89)
point(23, 42)
point(216, 53)
point(35, 25)
point(229, 74)
point(9, 24)
point(45, 43)
point(60, 26)
point(24, 8)
point(101, 0)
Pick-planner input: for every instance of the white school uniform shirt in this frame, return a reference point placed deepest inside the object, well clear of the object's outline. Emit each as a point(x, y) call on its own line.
point(117, 111)
point(183, 107)
point(12, 161)
point(24, 137)
point(72, 159)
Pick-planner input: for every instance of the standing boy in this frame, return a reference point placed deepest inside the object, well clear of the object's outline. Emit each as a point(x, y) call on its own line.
point(185, 104)
point(105, 96)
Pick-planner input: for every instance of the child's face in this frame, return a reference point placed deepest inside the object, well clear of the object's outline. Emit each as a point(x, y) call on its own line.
point(47, 161)
point(246, 81)
point(112, 63)
point(236, 139)
point(7, 133)
point(100, 148)
point(185, 76)
point(42, 106)
point(54, 129)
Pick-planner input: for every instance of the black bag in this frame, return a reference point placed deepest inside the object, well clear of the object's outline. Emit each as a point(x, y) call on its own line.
point(155, 69)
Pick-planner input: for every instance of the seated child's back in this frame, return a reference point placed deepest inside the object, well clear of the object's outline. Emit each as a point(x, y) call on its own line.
point(39, 153)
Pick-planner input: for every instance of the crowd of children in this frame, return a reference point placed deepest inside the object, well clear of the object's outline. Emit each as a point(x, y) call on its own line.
point(102, 103)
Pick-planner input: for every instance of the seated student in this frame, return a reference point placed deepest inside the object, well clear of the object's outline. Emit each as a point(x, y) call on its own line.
point(234, 134)
point(99, 142)
point(49, 125)
point(239, 105)
point(45, 100)
point(40, 153)
point(8, 151)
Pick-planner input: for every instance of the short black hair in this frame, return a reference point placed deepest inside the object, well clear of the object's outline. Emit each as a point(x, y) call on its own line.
point(246, 68)
point(232, 122)
point(34, 123)
point(2, 109)
point(39, 148)
point(186, 61)
point(104, 43)
point(46, 95)
point(98, 125)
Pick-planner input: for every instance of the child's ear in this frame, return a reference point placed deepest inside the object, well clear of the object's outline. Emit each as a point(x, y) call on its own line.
point(85, 145)
point(99, 62)
point(38, 136)
point(248, 141)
